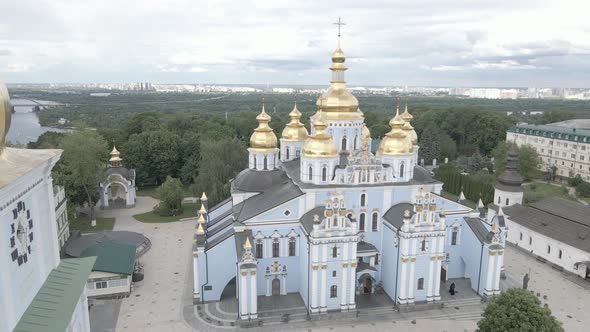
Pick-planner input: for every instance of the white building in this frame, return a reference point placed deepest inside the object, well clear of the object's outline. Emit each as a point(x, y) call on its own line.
point(554, 230)
point(118, 190)
point(37, 291)
point(111, 274)
point(61, 215)
point(559, 145)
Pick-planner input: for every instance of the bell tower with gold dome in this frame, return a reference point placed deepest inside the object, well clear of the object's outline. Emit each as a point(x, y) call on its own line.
point(293, 137)
point(339, 107)
point(263, 151)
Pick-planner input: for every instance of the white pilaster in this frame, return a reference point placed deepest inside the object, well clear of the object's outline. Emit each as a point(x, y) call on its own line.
point(268, 287)
point(497, 271)
point(253, 297)
point(402, 284)
point(343, 287)
point(411, 280)
point(323, 291)
point(430, 280)
point(352, 287)
point(437, 271)
point(243, 300)
point(196, 284)
point(490, 274)
point(284, 284)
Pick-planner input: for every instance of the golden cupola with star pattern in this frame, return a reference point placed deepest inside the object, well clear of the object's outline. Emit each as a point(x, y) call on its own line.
point(263, 151)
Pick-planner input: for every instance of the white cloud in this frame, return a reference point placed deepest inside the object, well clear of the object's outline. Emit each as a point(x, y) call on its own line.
point(387, 42)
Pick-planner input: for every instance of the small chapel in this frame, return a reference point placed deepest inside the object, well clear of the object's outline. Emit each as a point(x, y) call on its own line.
point(318, 215)
point(118, 188)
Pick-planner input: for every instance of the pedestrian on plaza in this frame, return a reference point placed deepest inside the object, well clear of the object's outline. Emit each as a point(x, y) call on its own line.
point(452, 289)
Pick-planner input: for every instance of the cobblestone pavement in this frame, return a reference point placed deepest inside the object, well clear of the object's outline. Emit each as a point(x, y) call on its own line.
point(569, 301)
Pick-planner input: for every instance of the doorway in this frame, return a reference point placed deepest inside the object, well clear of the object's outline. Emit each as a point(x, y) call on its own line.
point(276, 287)
point(443, 274)
point(368, 286)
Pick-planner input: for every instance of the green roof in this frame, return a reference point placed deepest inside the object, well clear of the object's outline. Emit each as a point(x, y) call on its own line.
point(52, 308)
point(552, 131)
point(112, 257)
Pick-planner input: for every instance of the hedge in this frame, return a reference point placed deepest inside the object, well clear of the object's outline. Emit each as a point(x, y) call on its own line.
point(473, 188)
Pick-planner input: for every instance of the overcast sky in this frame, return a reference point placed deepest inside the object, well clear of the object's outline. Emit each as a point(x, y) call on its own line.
point(411, 42)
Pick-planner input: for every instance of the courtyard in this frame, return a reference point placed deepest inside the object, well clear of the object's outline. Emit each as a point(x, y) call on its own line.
point(163, 300)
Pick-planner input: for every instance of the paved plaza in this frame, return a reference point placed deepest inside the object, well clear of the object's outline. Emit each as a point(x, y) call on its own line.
point(163, 300)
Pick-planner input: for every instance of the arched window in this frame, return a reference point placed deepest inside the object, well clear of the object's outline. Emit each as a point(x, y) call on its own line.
point(265, 166)
point(507, 201)
point(548, 249)
point(454, 237)
point(344, 143)
point(354, 142)
point(335, 221)
point(324, 173)
point(334, 252)
point(287, 153)
point(296, 153)
point(255, 166)
point(363, 199)
point(423, 245)
point(559, 254)
point(421, 283)
point(374, 222)
point(401, 170)
point(259, 247)
point(333, 291)
point(292, 246)
point(310, 173)
point(362, 222)
point(275, 248)
point(499, 200)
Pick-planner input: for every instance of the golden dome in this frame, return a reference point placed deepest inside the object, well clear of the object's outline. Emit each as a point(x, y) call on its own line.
point(295, 131)
point(406, 115)
point(5, 114)
point(115, 157)
point(408, 129)
point(337, 102)
point(396, 142)
point(263, 138)
point(320, 145)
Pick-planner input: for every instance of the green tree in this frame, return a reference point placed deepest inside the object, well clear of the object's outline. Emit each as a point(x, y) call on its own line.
point(518, 310)
point(220, 161)
point(556, 116)
point(528, 159)
point(379, 130)
point(429, 144)
point(448, 148)
point(140, 122)
point(81, 169)
point(47, 140)
point(154, 155)
point(583, 189)
point(170, 196)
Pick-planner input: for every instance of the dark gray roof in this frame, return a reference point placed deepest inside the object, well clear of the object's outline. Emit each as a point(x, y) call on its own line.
point(510, 179)
point(307, 218)
point(77, 243)
point(394, 216)
point(293, 170)
point(124, 172)
point(271, 197)
point(566, 209)
point(363, 246)
point(257, 181)
point(560, 224)
point(220, 217)
point(364, 266)
point(480, 231)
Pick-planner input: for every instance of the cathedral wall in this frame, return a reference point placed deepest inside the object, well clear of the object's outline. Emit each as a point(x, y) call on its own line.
point(304, 269)
point(285, 212)
point(455, 265)
point(472, 258)
point(389, 262)
point(220, 268)
point(422, 269)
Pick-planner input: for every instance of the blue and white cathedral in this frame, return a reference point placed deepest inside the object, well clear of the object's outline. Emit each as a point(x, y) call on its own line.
point(321, 216)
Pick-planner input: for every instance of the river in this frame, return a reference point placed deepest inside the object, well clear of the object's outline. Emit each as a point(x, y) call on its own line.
point(25, 127)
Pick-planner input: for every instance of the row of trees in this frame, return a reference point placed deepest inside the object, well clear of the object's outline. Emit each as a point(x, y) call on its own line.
point(473, 187)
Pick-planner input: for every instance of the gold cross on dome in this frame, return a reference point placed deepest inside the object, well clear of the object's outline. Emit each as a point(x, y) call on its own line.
point(339, 24)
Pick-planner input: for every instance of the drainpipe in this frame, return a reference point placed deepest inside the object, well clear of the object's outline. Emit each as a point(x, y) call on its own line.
point(308, 278)
point(206, 277)
point(480, 264)
point(397, 266)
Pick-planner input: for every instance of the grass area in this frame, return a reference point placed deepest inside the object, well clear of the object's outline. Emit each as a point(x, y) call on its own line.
point(188, 210)
point(536, 191)
point(82, 224)
point(454, 198)
point(152, 191)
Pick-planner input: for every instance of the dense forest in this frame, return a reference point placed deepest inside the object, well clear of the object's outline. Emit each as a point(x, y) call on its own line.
point(202, 139)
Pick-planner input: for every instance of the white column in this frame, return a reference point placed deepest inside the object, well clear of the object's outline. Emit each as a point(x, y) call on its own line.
point(284, 285)
point(243, 300)
point(352, 287)
point(267, 247)
point(196, 285)
point(411, 280)
point(499, 263)
point(402, 283)
point(253, 297)
point(343, 287)
point(430, 280)
point(323, 291)
point(437, 278)
point(268, 287)
point(314, 277)
point(490, 274)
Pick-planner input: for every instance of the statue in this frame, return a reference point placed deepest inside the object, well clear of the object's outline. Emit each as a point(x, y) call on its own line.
point(5, 114)
point(525, 281)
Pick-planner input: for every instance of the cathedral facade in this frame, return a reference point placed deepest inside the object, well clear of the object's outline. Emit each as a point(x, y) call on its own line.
point(322, 216)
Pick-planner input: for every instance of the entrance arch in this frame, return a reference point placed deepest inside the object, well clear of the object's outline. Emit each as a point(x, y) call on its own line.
point(276, 287)
point(229, 291)
point(366, 284)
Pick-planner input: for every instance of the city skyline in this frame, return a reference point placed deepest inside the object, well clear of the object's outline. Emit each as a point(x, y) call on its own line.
point(431, 43)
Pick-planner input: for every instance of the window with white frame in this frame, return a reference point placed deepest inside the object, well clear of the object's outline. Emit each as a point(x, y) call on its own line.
point(100, 284)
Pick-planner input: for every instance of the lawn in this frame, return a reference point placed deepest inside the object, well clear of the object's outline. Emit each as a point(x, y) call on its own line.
point(152, 191)
point(454, 198)
point(82, 224)
point(536, 191)
point(189, 210)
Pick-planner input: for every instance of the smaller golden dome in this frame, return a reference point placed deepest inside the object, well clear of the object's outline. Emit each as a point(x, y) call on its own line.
point(115, 157)
point(320, 145)
point(338, 56)
point(295, 131)
point(395, 142)
point(406, 115)
point(411, 133)
point(263, 138)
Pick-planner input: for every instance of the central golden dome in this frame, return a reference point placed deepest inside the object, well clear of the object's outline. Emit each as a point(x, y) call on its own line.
point(395, 142)
point(295, 131)
point(320, 145)
point(263, 139)
point(5, 114)
point(337, 102)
